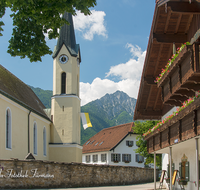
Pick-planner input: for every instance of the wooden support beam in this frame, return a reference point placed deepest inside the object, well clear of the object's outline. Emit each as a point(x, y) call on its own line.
point(170, 38)
point(167, 22)
point(145, 112)
point(191, 86)
point(178, 97)
point(173, 103)
point(178, 23)
point(188, 24)
point(149, 80)
point(184, 7)
point(186, 92)
point(195, 78)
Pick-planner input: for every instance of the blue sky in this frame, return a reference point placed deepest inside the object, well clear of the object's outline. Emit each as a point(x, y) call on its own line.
point(113, 42)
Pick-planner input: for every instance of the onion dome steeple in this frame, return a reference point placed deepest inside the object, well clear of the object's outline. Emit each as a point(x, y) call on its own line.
point(67, 37)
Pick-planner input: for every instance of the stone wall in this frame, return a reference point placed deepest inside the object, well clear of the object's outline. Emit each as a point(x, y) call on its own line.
point(45, 174)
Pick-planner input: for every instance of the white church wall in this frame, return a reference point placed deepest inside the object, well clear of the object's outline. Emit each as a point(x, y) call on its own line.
point(19, 131)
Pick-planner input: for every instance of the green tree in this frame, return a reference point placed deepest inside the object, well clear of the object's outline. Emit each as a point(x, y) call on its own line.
point(32, 19)
point(140, 128)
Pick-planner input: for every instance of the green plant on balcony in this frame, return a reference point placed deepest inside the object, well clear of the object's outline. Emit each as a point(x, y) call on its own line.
point(170, 61)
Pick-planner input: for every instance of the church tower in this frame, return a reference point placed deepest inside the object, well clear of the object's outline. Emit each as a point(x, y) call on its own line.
point(65, 103)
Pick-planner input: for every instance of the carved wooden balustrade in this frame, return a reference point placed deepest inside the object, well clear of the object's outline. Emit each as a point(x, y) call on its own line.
point(181, 127)
point(183, 77)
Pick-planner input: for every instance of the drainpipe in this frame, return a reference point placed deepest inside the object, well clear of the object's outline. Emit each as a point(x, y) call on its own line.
point(154, 170)
point(197, 162)
point(29, 131)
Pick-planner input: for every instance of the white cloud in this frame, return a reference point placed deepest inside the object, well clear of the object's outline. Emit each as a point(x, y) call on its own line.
point(91, 24)
point(132, 68)
point(129, 73)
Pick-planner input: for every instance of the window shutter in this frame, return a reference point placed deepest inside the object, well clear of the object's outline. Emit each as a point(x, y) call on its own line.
point(168, 171)
point(118, 157)
point(123, 159)
point(129, 157)
point(137, 159)
point(126, 143)
point(199, 169)
point(112, 157)
point(187, 177)
point(131, 143)
point(180, 170)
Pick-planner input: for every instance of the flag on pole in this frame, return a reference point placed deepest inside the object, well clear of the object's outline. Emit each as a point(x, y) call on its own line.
point(86, 120)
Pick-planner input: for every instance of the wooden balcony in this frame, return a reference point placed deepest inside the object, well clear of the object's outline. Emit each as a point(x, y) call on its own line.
point(183, 77)
point(182, 127)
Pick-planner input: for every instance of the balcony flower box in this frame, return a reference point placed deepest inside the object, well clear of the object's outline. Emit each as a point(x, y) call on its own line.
point(170, 64)
point(182, 182)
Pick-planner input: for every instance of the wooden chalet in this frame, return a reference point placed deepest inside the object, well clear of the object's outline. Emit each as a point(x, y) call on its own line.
point(174, 23)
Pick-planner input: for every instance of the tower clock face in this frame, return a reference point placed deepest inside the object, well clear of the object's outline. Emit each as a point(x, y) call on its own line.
point(63, 59)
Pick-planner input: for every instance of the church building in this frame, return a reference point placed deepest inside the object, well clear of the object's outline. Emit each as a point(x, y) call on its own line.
point(26, 126)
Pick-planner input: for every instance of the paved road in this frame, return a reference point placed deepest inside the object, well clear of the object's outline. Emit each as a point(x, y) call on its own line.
point(146, 186)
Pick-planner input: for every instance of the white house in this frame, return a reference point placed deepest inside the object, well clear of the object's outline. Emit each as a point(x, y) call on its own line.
point(113, 146)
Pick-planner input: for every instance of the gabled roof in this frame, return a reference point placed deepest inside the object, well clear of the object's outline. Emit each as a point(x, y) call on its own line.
point(172, 23)
point(107, 139)
point(16, 90)
point(67, 37)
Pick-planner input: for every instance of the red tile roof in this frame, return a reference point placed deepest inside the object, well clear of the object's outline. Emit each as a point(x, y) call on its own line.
point(108, 138)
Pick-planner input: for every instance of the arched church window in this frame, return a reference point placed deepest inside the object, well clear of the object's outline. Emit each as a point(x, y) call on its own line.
point(63, 83)
point(35, 138)
point(8, 129)
point(44, 142)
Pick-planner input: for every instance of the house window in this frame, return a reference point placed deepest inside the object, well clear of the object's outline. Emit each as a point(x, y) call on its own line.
point(87, 158)
point(63, 83)
point(115, 157)
point(44, 142)
point(95, 158)
point(103, 158)
point(8, 129)
point(35, 138)
point(129, 143)
point(139, 158)
point(126, 158)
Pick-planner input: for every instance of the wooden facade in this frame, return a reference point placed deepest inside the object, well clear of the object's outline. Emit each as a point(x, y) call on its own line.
point(175, 22)
point(181, 82)
point(184, 126)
